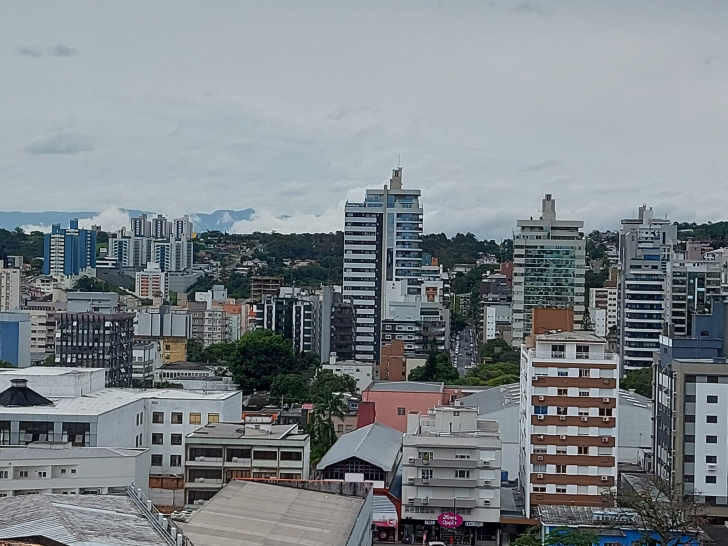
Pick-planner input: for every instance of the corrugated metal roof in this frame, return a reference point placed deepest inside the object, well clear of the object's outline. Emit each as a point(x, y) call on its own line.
point(405, 386)
point(376, 444)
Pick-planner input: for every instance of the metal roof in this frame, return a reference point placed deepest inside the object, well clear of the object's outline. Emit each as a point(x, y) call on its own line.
point(405, 386)
point(77, 520)
point(571, 336)
point(250, 513)
point(41, 451)
point(376, 444)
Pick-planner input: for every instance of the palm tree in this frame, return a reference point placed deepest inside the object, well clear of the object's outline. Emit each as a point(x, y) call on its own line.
point(326, 406)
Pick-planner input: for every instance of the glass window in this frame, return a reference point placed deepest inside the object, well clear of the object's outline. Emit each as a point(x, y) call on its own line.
point(711, 459)
point(156, 460)
point(562, 392)
point(711, 419)
point(712, 399)
point(540, 410)
point(710, 479)
point(291, 456)
point(459, 473)
point(176, 418)
point(711, 439)
point(265, 455)
point(176, 440)
point(400, 411)
point(213, 417)
point(195, 419)
point(158, 417)
point(561, 410)
point(561, 469)
point(175, 460)
point(157, 439)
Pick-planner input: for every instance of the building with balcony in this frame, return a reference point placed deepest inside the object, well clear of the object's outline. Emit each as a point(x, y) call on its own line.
point(9, 287)
point(603, 309)
point(451, 475)
point(257, 448)
point(152, 283)
point(691, 285)
point(69, 252)
point(549, 268)
point(568, 420)
point(146, 359)
point(60, 468)
point(645, 246)
point(207, 325)
point(261, 286)
point(292, 314)
point(43, 321)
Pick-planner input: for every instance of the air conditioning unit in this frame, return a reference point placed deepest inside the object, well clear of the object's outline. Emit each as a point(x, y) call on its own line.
point(541, 417)
point(486, 482)
point(605, 499)
point(425, 480)
point(410, 500)
point(562, 417)
point(605, 440)
point(562, 437)
point(605, 478)
point(539, 458)
point(541, 398)
point(411, 459)
point(235, 459)
point(606, 381)
point(539, 476)
point(199, 458)
point(199, 480)
point(605, 419)
point(711, 467)
point(410, 480)
point(486, 501)
point(426, 500)
point(539, 437)
point(585, 419)
point(605, 400)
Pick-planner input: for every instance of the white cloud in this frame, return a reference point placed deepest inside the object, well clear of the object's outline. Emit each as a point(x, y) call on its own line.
point(110, 219)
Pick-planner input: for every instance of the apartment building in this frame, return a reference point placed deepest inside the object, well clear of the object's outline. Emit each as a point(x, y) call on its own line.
point(9, 287)
point(549, 268)
point(567, 420)
point(152, 283)
point(72, 405)
point(146, 360)
point(691, 405)
point(169, 326)
point(603, 309)
point(43, 321)
point(15, 338)
point(207, 325)
point(256, 448)
point(691, 285)
point(382, 242)
point(451, 475)
point(291, 314)
point(361, 371)
point(261, 286)
point(645, 246)
point(60, 468)
point(69, 252)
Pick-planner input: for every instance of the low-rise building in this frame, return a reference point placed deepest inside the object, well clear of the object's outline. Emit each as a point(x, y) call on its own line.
point(60, 468)
point(168, 325)
point(220, 452)
point(361, 371)
point(451, 478)
point(146, 359)
point(15, 338)
point(394, 400)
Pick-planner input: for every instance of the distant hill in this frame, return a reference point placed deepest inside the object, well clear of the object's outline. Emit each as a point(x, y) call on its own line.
point(220, 220)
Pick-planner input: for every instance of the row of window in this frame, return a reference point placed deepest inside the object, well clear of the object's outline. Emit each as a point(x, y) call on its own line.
point(177, 418)
point(580, 450)
point(174, 460)
point(5, 474)
point(564, 410)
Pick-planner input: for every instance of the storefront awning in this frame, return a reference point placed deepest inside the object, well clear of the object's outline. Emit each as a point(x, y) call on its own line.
point(385, 513)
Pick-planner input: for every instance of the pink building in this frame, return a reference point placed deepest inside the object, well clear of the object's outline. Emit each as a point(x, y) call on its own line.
point(393, 400)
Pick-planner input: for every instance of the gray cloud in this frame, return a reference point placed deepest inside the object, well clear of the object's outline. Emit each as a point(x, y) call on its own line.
point(60, 143)
point(30, 51)
point(60, 50)
point(530, 7)
point(540, 166)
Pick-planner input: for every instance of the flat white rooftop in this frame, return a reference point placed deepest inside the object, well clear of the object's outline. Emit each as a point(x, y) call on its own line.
point(40, 451)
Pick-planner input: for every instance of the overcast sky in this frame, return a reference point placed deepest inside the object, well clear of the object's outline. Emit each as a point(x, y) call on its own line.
point(291, 108)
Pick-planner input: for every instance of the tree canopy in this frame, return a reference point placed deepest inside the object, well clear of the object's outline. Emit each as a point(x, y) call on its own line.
point(437, 368)
point(561, 536)
point(640, 381)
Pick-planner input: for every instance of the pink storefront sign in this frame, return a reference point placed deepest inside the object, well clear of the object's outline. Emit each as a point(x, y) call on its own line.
point(450, 520)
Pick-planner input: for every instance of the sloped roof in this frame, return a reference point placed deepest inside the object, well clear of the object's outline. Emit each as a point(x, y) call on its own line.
point(376, 444)
point(19, 395)
point(77, 520)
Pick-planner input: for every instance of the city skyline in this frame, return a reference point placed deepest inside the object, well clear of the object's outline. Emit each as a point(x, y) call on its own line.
point(193, 120)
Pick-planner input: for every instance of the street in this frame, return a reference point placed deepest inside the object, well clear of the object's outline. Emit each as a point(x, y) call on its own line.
point(464, 350)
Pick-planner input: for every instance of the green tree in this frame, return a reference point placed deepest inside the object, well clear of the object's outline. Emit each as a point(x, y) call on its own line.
point(437, 368)
point(326, 406)
point(327, 381)
point(50, 360)
point(195, 350)
point(640, 381)
point(561, 536)
point(6, 364)
point(493, 374)
point(291, 387)
point(258, 357)
point(499, 350)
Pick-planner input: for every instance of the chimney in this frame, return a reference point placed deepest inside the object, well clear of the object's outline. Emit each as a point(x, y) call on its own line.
point(19, 383)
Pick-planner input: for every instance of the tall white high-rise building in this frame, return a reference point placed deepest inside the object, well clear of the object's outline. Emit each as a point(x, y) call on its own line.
point(382, 242)
point(645, 249)
point(9, 288)
point(568, 420)
point(549, 267)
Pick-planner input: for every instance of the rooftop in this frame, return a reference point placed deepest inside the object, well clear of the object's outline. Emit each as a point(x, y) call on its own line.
point(77, 520)
point(404, 386)
point(571, 336)
point(236, 431)
point(45, 370)
point(57, 450)
point(555, 516)
point(191, 366)
point(376, 444)
point(251, 513)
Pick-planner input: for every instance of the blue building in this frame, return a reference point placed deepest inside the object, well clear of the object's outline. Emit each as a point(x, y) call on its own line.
point(68, 252)
point(15, 338)
point(613, 526)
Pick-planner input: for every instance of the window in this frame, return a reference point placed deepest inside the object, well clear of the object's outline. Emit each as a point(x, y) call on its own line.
point(711, 419)
point(195, 419)
point(167, 348)
point(156, 460)
point(583, 450)
point(539, 468)
point(558, 351)
point(582, 351)
point(710, 479)
point(561, 489)
point(688, 458)
point(3, 474)
point(711, 459)
point(176, 439)
point(465, 474)
point(157, 439)
point(605, 412)
point(712, 399)
point(562, 373)
point(400, 411)
point(584, 393)
point(584, 372)
point(540, 410)
point(561, 469)
point(176, 418)
point(291, 456)
point(462, 456)
point(561, 410)
point(213, 417)
point(158, 417)
point(540, 450)
point(175, 460)
point(339, 428)
point(22, 473)
point(584, 412)
point(562, 392)
point(561, 450)
point(42, 474)
point(539, 489)
point(63, 470)
point(711, 439)
point(73, 471)
point(265, 455)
